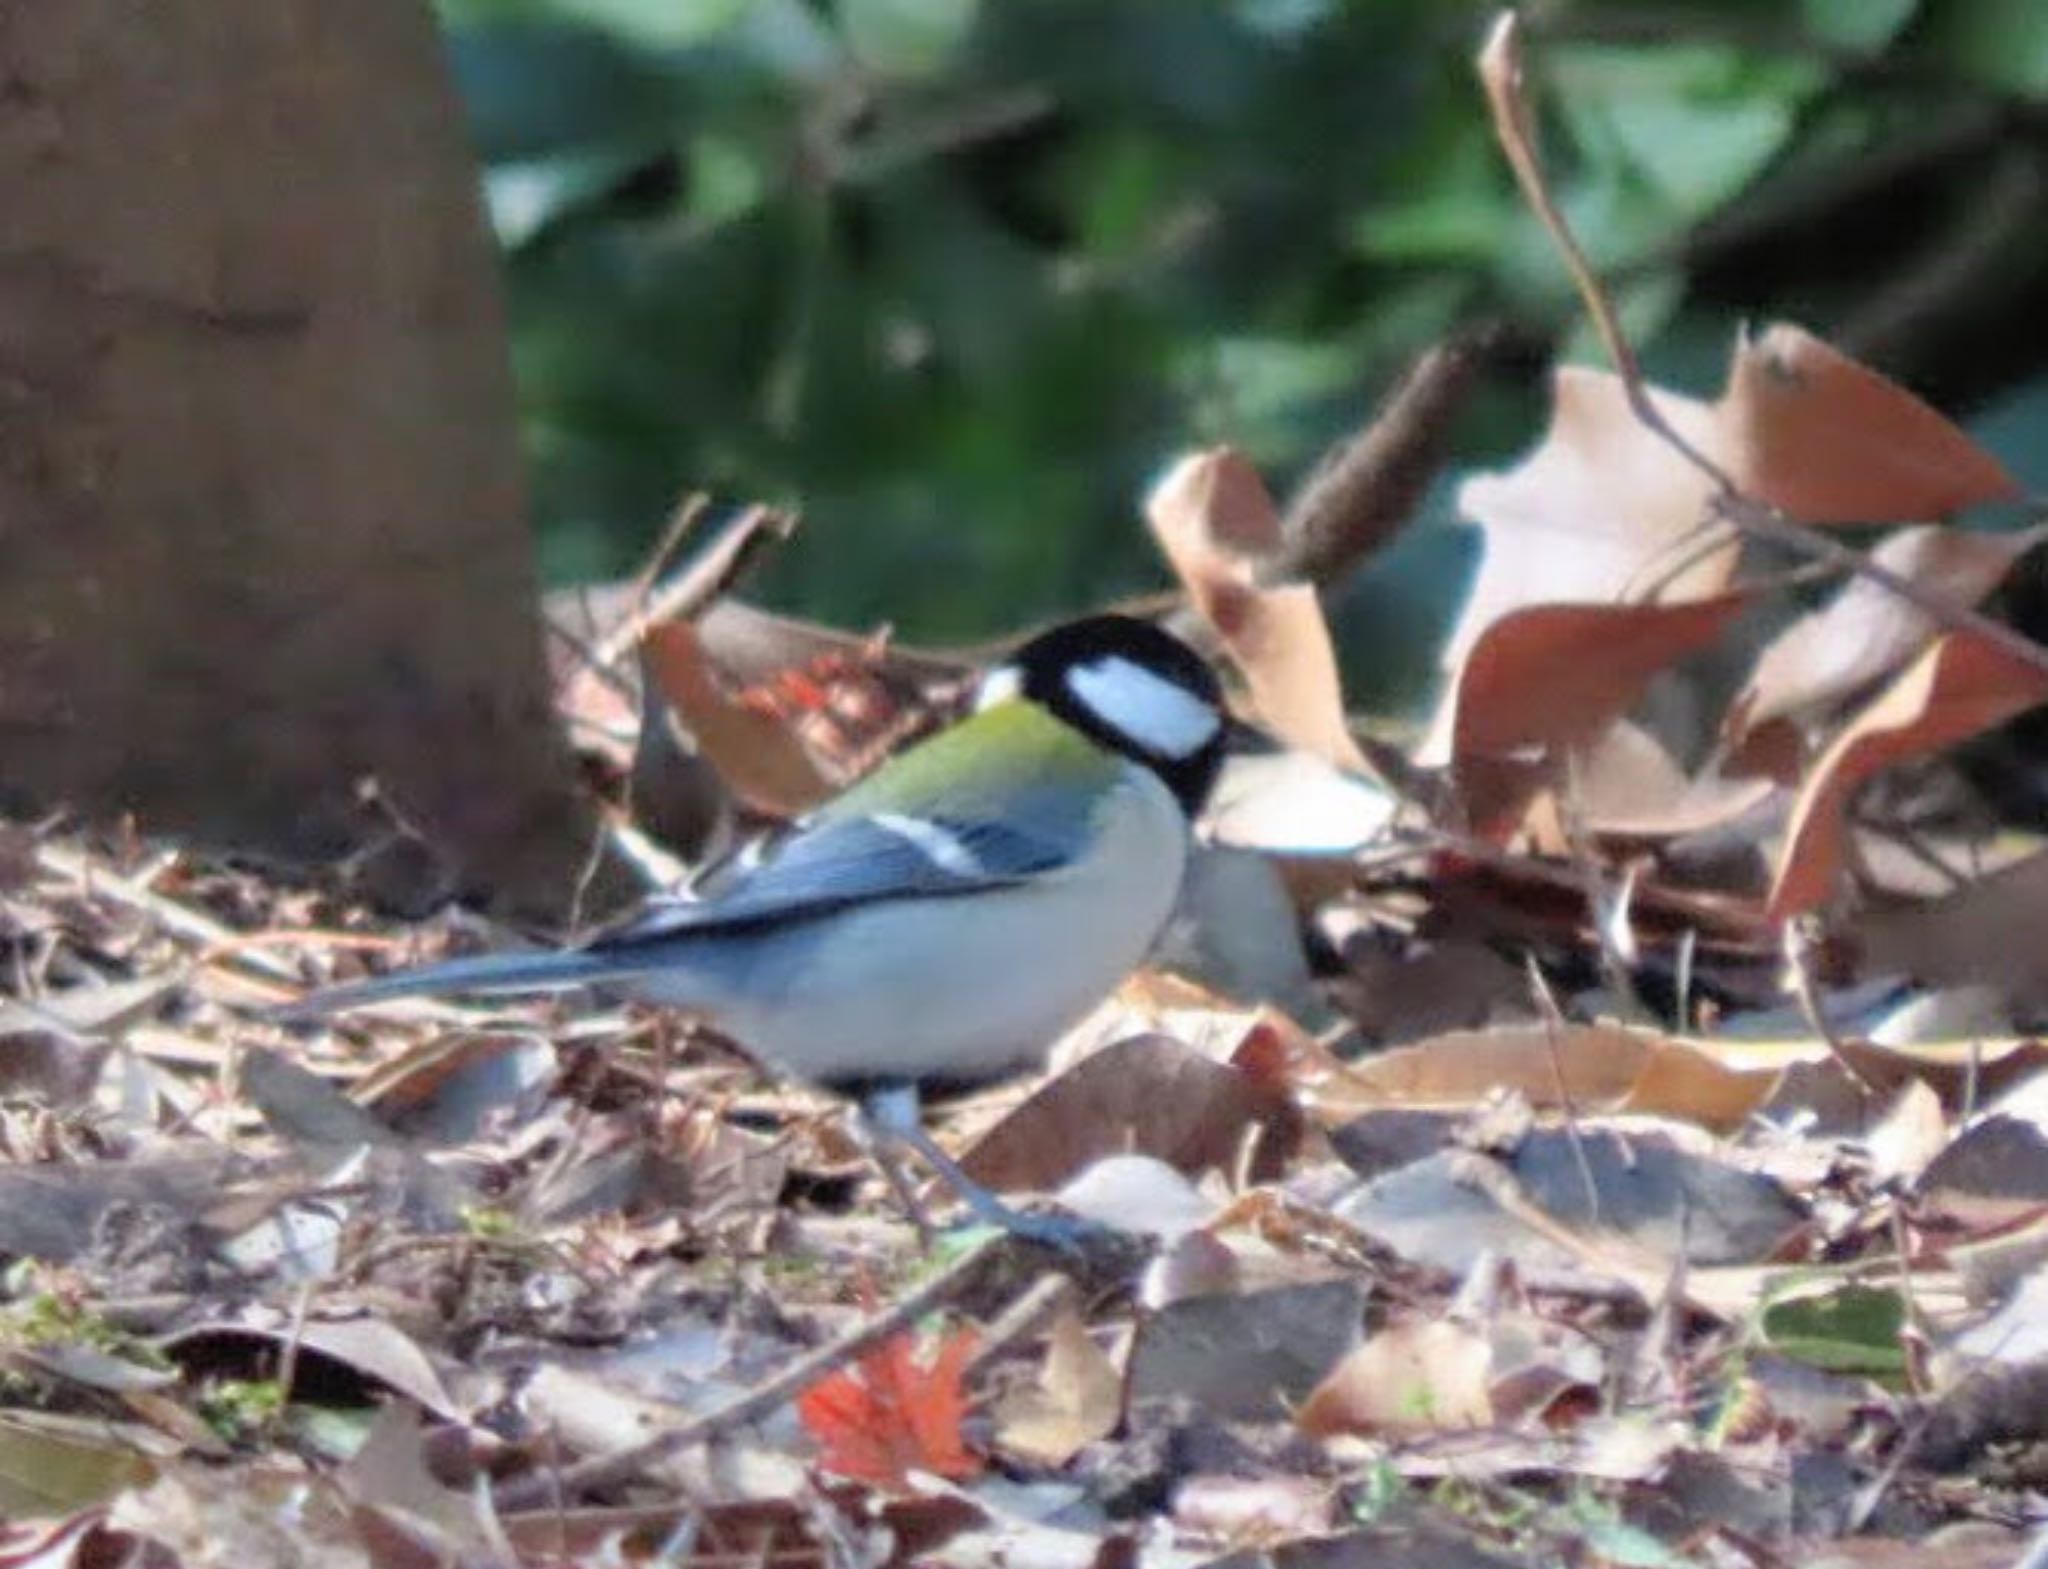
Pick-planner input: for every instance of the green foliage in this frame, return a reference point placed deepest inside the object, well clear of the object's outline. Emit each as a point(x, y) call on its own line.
point(958, 276)
point(241, 1411)
point(1855, 1329)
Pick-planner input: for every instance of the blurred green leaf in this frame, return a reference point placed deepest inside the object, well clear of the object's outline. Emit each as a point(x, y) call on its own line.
point(959, 278)
point(1857, 24)
point(907, 37)
point(1855, 1329)
point(1697, 122)
point(2002, 43)
point(663, 23)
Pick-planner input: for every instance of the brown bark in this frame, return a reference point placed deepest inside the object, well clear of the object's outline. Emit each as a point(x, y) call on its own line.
point(262, 531)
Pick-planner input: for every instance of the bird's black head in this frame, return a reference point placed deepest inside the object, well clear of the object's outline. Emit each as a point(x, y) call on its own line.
point(1133, 688)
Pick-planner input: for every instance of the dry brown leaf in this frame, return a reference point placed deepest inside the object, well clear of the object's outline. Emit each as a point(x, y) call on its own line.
point(1967, 938)
point(1150, 1095)
point(1420, 1377)
point(755, 752)
point(1866, 631)
point(1558, 675)
point(1215, 520)
point(1599, 1068)
point(1265, 1508)
point(1958, 687)
point(1827, 440)
point(1628, 787)
point(1590, 509)
point(1077, 1399)
point(1590, 1065)
point(1604, 511)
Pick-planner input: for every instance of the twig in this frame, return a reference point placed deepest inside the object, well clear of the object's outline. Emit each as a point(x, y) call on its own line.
point(622, 1465)
point(585, 653)
point(722, 564)
point(1800, 942)
point(1023, 1317)
point(1553, 1019)
point(1366, 488)
point(294, 1342)
point(175, 918)
point(682, 522)
point(1500, 73)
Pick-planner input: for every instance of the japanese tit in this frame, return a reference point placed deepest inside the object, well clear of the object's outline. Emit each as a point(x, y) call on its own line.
point(944, 920)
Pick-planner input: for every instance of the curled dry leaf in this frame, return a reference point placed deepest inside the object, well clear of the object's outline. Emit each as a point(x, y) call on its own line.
point(1604, 511)
point(1628, 787)
point(1149, 1095)
point(1558, 675)
point(1827, 440)
point(1958, 687)
point(1866, 631)
point(1215, 521)
point(1420, 1377)
point(755, 752)
point(1966, 939)
point(1584, 517)
point(1713, 1084)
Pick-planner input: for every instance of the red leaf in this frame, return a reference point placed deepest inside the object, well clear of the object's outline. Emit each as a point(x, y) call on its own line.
point(891, 1413)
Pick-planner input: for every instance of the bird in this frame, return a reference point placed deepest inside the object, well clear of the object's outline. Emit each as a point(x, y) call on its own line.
point(941, 922)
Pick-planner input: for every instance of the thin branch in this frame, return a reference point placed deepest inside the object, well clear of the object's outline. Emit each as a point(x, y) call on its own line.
point(724, 562)
point(542, 1489)
point(1801, 951)
point(1366, 488)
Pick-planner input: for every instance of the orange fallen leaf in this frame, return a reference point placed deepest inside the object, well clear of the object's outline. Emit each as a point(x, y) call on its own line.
point(893, 1413)
point(1960, 686)
point(757, 753)
point(1830, 441)
point(1215, 520)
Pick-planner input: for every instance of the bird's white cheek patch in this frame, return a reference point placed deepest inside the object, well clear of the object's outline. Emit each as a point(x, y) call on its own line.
point(1161, 716)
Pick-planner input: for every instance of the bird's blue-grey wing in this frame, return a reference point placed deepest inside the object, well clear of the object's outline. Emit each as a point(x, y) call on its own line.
point(1009, 795)
point(859, 860)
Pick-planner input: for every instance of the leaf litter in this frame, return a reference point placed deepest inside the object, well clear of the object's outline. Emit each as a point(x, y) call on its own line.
point(1691, 1253)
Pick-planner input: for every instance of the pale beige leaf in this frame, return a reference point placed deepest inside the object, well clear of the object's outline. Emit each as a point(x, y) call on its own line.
point(1866, 631)
point(1077, 1399)
point(1214, 519)
point(1414, 1378)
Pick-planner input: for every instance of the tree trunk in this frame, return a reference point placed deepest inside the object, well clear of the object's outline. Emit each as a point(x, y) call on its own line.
point(262, 532)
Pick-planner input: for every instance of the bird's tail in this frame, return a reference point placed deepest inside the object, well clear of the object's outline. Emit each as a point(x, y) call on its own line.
point(487, 973)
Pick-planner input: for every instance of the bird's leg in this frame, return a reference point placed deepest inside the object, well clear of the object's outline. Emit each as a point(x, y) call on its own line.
point(883, 1148)
point(893, 1112)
